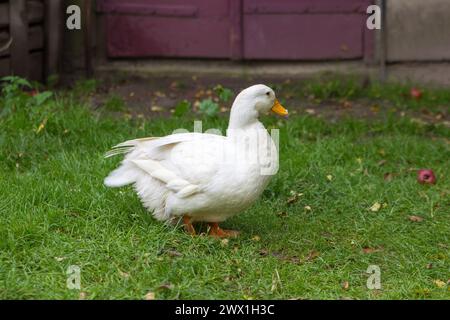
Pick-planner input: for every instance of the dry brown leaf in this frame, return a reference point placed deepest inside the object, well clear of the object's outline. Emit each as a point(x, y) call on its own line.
point(388, 176)
point(375, 207)
point(312, 255)
point(174, 253)
point(415, 218)
point(292, 199)
point(439, 283)
point(150, 296)
point(156, 108)
point(345, 285)
point(166, 286)
point(124, 274)
point(371, 250)
point(282, 214)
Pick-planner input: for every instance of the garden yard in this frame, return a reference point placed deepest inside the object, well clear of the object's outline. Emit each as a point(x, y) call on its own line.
point(346, 196)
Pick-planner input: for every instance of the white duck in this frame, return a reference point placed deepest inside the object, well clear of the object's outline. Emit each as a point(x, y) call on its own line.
point(201, 176)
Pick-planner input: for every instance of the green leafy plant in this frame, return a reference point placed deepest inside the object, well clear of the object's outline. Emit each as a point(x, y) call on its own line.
point(42, 97)
point(12, 87)
point(224, 94)
point(209, 107)
point(115, 103)
point(182, 108)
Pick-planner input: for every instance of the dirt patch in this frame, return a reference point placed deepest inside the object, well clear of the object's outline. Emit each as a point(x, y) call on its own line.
point(157, 96)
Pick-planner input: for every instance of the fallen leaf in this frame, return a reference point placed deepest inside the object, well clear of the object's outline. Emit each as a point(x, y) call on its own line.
point(150, 296)
point(256, 238)
point(157, 108)
point(308, 208)
point(224, 242)
point(375, 207)
point(82, 295)
point(124, 274)
point(345, 285)
point(388, 176)
point(174, 253)
point(375, 108)
point(310, 111)
point(439, 283)
point(415, 218)
point(329, 177)
point(429, 266)
point(292, 199)
point(371, 250)
point(347, 104)
point(41, 125)
point(59, 259)
point(312, 255)
point(166, 286)
point(159, 94)
point(282, 214)
point(381, 162)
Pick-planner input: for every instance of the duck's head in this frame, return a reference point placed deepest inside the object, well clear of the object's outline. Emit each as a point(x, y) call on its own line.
point(253, 101)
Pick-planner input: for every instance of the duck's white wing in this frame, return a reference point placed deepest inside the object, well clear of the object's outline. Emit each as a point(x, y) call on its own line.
point(184, 162)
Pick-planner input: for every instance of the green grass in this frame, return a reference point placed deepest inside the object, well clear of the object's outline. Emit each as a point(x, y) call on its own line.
point(55, 212)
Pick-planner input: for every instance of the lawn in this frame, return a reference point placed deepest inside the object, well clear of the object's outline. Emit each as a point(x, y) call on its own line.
point(345, 197)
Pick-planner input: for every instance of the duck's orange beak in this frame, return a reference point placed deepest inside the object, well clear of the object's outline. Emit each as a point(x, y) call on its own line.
point(279, 109)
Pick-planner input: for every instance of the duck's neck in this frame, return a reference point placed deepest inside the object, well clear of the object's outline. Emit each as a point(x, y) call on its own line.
point(243, 119)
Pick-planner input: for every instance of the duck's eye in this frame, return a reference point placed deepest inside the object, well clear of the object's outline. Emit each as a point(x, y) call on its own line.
point(268, 93)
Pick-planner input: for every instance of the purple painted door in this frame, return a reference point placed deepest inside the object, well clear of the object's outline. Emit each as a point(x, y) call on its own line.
point(166, 28)
point(237, 29)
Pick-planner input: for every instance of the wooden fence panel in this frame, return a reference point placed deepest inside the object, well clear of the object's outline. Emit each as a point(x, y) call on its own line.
point(18, 26)
point(22, 38)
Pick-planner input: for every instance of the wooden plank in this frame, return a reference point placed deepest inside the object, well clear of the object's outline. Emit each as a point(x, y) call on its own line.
point(35, 12)
point(236, 29)
point(19, 33)
point(304, 6)
point(53, 36)
point(35, 35)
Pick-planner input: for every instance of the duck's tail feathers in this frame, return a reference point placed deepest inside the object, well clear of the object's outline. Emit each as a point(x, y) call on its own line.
point(126, 147)
point(122, 176)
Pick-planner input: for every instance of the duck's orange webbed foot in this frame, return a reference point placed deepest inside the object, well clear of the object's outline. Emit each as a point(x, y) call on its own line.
point(217, 232)
point(188, 225)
